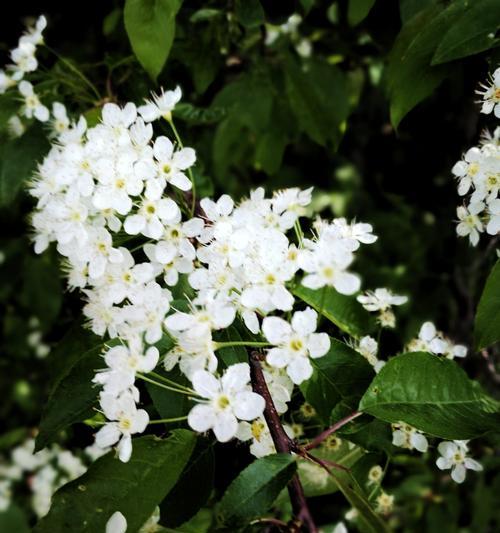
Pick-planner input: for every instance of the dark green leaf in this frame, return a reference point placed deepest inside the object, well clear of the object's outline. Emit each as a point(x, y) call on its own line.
point(358, 10)
point(487, 326)
point(170, 404)
point(150, 26)
point(72, 396)
point(342, 375)
point(13, 520)
point(232, 354)
point(369, 521)
point(432, 394)
point(410, 77)
point(249, 12)
point(19, 158)
point(253, 492)
point(193, 488)
point(473, 32)
point(344, 311)
point(318, 98)
point(134, 488)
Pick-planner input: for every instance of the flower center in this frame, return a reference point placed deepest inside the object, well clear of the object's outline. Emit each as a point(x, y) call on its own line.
point(223, 402)
point(296, 345)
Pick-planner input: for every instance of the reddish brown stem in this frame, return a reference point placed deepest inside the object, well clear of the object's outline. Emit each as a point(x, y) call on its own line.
point(282, 442)
point(325, 434)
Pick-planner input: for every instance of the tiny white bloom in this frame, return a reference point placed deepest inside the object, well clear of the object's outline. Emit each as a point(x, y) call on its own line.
point(454, 457)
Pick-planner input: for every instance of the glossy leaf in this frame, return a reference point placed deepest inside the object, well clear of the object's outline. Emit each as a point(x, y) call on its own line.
point(318, 98)
point(18, 161)
point(253, 492)
point(432, 394)
point(150, 26)
point(473, 32)
point(487, 326)
point(193, 488)
point(340, 376)
point(86, 504)
point(344, 311)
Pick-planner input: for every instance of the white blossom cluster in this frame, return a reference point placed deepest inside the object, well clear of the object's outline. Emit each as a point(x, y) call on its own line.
point(478, 174)
point(24, 62)
point(381, 300)
point(433, 341)
point(43, 472)
point(112, 198)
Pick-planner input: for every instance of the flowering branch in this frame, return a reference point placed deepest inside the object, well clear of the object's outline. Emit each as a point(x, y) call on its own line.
point(282, 442)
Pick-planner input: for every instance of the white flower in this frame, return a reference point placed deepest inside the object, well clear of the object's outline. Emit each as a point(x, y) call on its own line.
point(161, 105)
point(406, 436)
point(32, 105)
point(493, 227)
point(60, 122)
point(123, 364)
point(126, 420)
point(433, 341)
point(229, 400)
point(380, 300)
point(454, 457)
point(295, 343)
point(368, 348)
point(470, 224)
point(117, 523)
point(171, 164)
point(491, 95)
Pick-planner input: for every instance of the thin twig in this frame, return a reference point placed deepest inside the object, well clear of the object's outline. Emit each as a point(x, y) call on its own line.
point(325, 434)
point(282, 442)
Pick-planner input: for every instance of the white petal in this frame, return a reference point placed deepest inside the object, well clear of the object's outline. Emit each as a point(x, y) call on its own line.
point(117, 523)
point(225, 426)
point(201, 418)
point(318, 344)
point(125, 448)
point(347, 283)
point(236, 378)
point(458, 473)
point(248, 405)
point(419, 442)
point(276, 330)
point(299, 370)
point(134, 224)
point(163, 149)
point(278, 357)
point(304, 322)
point(107, 436)
point(181, 181)
point(184, 158)
point(205, 384)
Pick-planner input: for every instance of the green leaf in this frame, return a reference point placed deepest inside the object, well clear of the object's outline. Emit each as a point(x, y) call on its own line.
point(249, 13)
point(72, 396)
point(13, 519)
point(150, 26)
point(19, 158)
point(193, 488)
point(170, 404)
point(9, 106)
point(432, 394)
point(318, 98)
point(344, 311)
point(369, 521)
point(198, 115)
point(410, 77)
point(342, 375)
point(409, 8)
point(134, 488)
point(358, 10)
point(253, 492)
point(42, 289)
point(487, 325)
point(231, 354)
point(473, 32)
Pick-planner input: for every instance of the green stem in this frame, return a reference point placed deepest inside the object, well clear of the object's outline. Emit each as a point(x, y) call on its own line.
point(76, 71)
point(153, 382)
point(256, 344)
point(190, 172)
point(170, 382)
point(299, 232)
point(167, 420)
